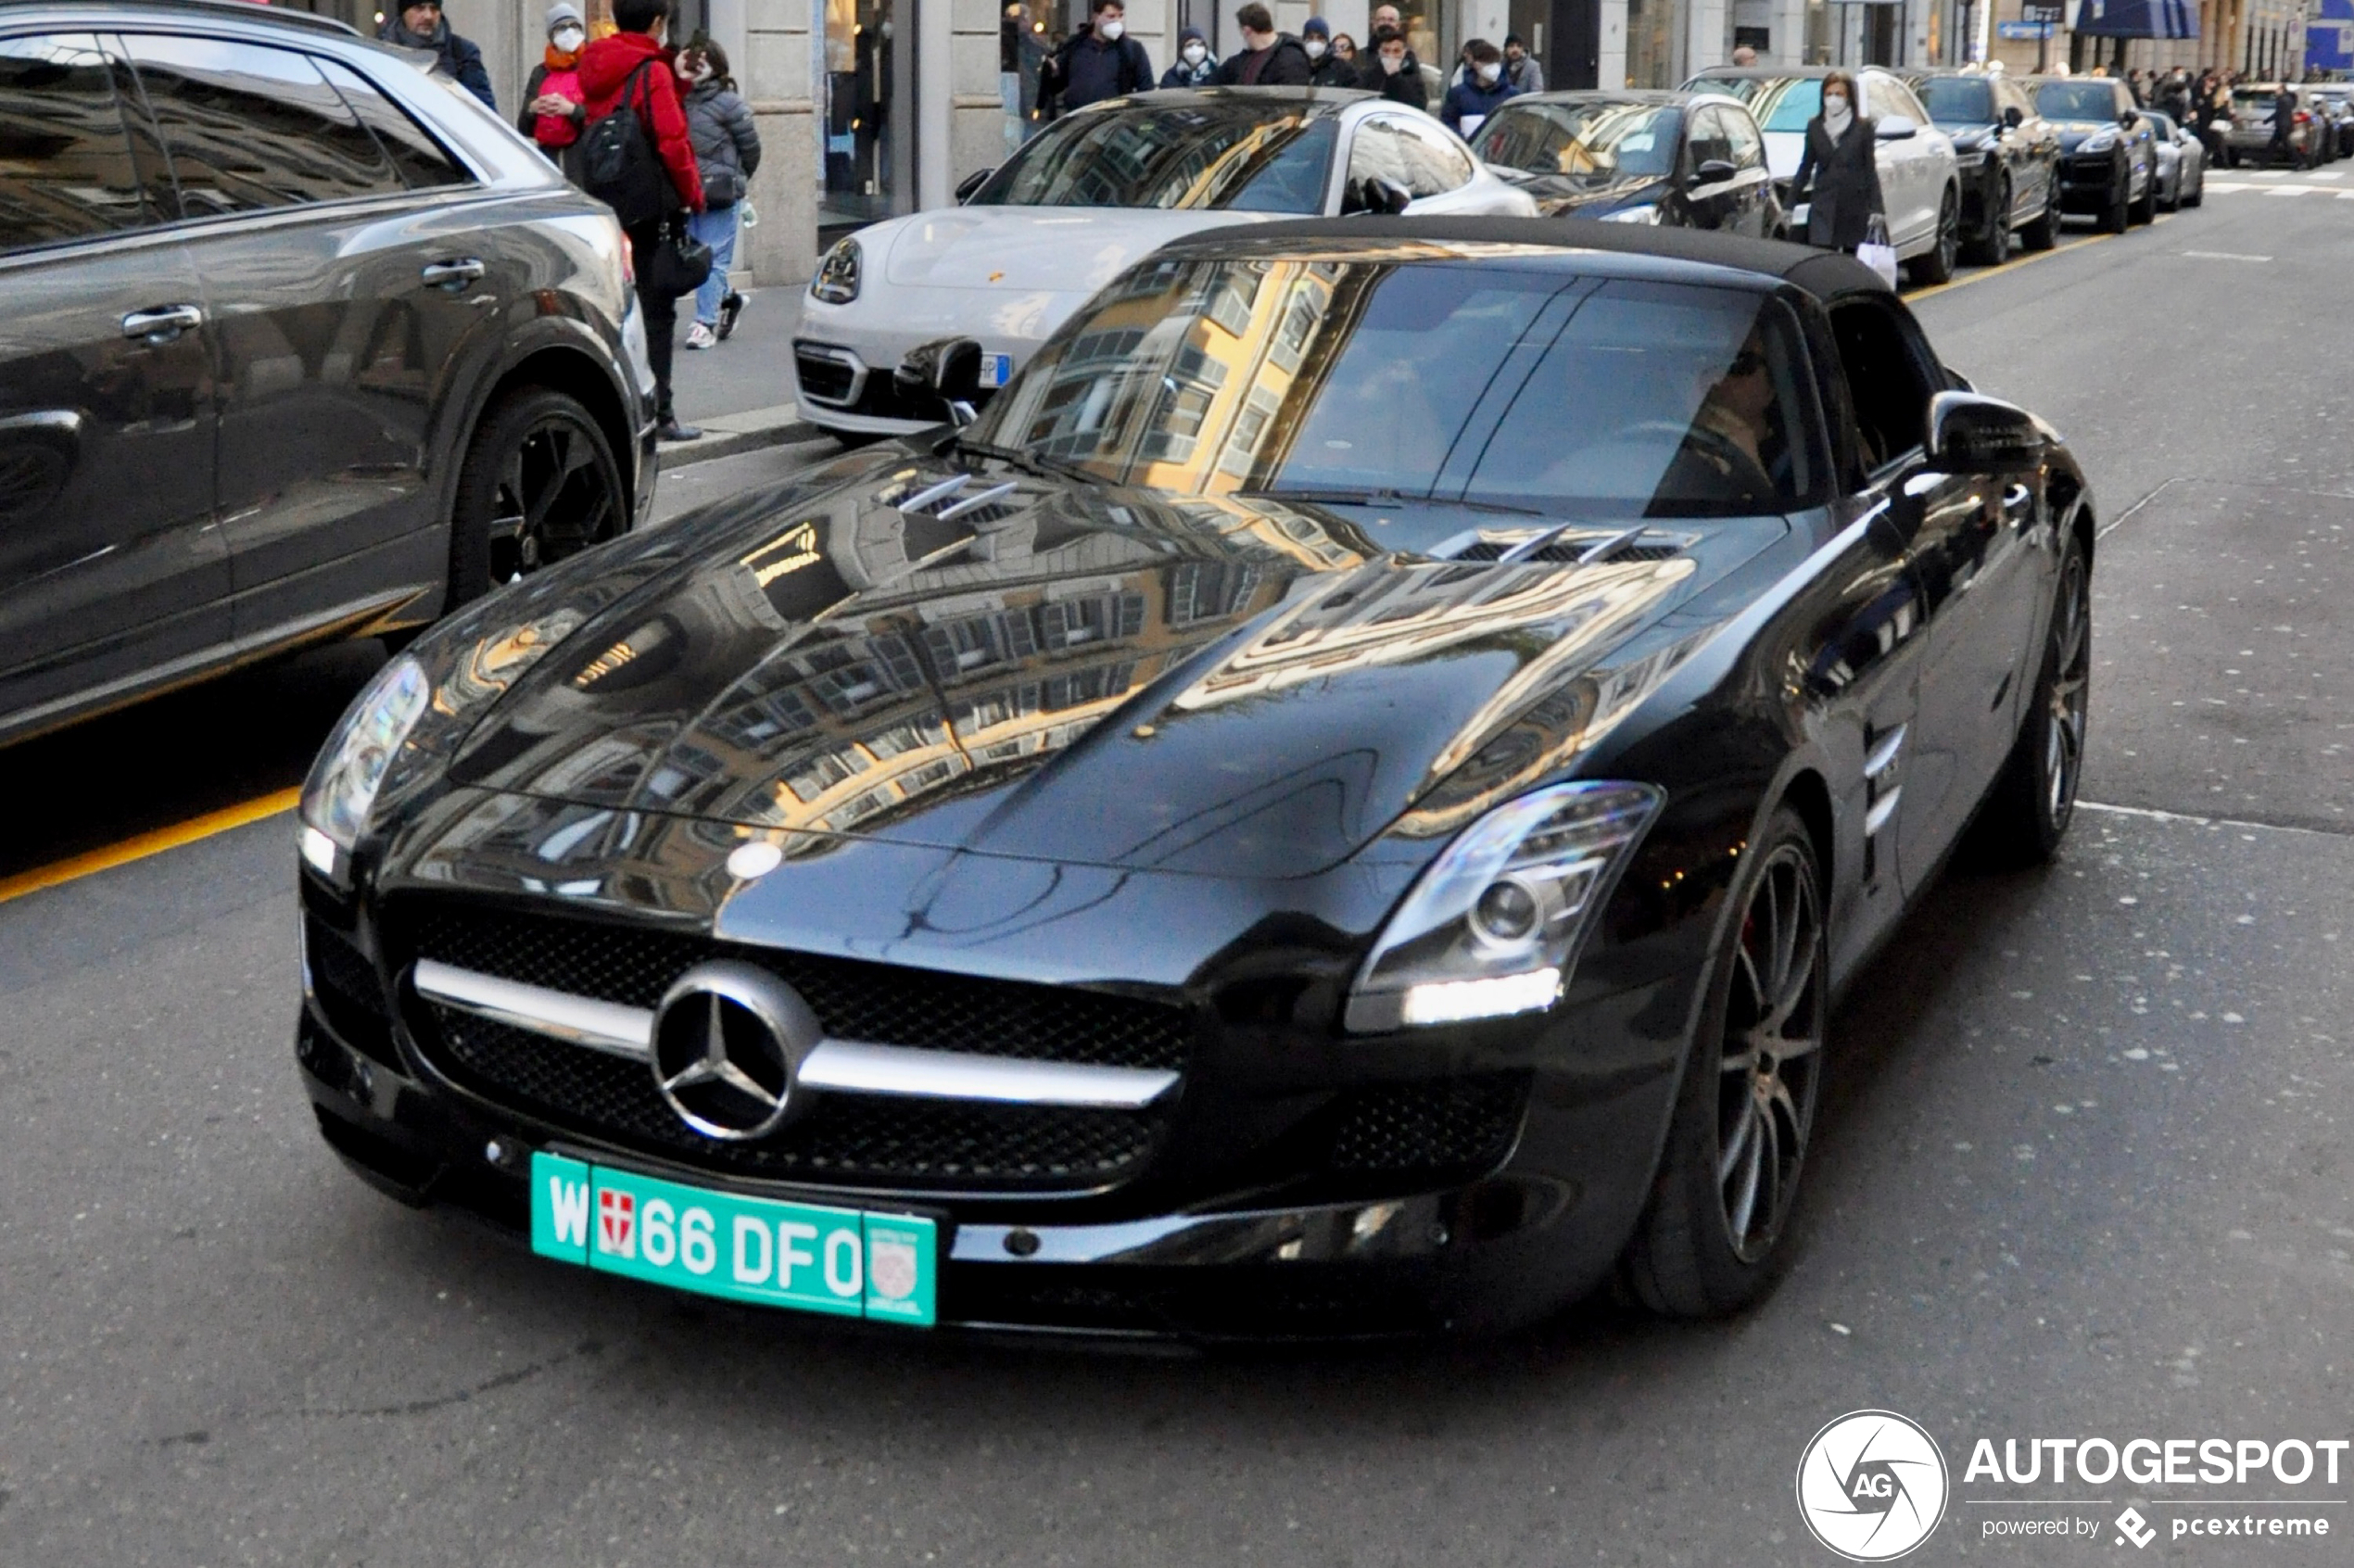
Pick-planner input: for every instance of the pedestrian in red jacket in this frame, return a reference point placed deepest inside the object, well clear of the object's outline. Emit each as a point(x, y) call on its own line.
point(605, 65)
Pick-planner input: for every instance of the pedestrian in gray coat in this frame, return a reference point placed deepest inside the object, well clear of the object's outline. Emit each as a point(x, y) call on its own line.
point(727, 146)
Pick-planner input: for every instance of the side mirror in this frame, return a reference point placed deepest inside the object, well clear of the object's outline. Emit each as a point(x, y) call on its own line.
point(2012, 118)
point(948, 369)
point(1969, 433)
point(1373, 195)
point(1715, 172)
point(1898, 128)
point(972, 184)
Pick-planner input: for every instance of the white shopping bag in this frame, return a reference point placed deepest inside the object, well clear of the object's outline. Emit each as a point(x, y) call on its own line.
point(1876, 253)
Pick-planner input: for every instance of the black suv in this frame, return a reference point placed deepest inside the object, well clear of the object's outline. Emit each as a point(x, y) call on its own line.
point(296, 342)
point(2007, 155)
point(2109, 153)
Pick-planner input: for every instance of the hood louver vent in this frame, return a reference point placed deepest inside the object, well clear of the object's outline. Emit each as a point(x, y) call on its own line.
point(952, 500)
point(1564, 548)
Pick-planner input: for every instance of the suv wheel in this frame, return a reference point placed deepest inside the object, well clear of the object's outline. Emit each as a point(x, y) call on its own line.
point(1992, 247)
point(2043, 233)
point(2117, 216)
point(539, 483)
point(1708, 1242)
point(2146, 209)
point(1936, 264)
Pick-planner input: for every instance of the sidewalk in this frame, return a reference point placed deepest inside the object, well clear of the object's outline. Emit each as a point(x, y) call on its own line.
point(739, 392)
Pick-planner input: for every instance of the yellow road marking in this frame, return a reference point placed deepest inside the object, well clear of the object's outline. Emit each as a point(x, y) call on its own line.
point(139, 847)
point(2016, 263)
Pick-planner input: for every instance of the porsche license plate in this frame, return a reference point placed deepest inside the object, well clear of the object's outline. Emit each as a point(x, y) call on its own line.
point(845, 1261)
point(996, 370)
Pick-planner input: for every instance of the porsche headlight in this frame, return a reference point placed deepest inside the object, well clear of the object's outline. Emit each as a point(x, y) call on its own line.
point(1645, 212)
point(2098, 142)
point(343, 783)
point(1493, 924)
point(837, 279)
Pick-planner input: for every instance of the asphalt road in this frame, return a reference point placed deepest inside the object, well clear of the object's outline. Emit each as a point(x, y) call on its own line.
point(2081, 1172)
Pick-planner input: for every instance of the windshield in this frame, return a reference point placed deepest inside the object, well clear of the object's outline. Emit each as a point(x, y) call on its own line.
point(1236, 157)
point(1489, 381)
point(2076, 100)
point(1778, 102)
point(1954, 100)
point(1598, 139)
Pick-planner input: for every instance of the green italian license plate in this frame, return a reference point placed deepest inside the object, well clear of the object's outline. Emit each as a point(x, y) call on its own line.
point(837, 1260)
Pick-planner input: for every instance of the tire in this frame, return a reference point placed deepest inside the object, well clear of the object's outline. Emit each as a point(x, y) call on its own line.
point(1992, 247)
point(1709, 1239)
point(2197, 197)
point(2034, 800)
point(1936, 264)
point(2146, 209)
point(2043, 234)
point(539, 483)
point(2118, 215)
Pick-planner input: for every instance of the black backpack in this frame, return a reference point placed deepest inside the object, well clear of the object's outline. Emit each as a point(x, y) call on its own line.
point(618, 165)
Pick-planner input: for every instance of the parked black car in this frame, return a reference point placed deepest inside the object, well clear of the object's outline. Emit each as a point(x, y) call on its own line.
point(2008, 157)
point(1678, 160)
point(1341, 805)
point(2109, 157)
point(295, 343)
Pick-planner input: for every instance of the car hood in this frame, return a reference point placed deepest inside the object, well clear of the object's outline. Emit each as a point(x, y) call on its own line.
point(1090, 675)
point(2074, 131)
point(1063, 250)
point(1588, 196)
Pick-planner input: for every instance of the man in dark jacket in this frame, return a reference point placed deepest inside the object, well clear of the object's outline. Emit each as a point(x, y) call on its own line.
point(1390, 70)
point(1480, 92)
point(1267, 59)
point(1099, 62)
point(2284, 145)
point(1324, 67)
point(419, 25)
point(605, 69)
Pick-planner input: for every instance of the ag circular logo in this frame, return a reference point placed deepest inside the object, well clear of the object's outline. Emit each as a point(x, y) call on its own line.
point(1871, 1486)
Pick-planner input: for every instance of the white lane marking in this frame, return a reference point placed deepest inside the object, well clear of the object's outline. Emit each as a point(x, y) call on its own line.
point(2221, 256)
point(2156, 816)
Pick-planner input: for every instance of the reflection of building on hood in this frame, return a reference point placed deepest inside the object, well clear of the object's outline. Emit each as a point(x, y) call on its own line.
point(453, 56)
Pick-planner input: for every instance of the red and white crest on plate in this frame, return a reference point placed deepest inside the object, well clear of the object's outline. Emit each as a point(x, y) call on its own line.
point(617, 1223)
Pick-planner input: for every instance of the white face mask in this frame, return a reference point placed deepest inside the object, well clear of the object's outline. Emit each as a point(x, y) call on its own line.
point(568, 39)
point(1392, 64)
point(1110, 31)
point(1315, 47)
point(1196, 53)
point(1834, 103)
point(1489, 74)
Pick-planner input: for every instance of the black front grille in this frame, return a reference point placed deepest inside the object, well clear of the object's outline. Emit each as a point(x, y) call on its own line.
point(879, 1003)
point(866, 1139)
point(823, 377)
point(1458, 1124)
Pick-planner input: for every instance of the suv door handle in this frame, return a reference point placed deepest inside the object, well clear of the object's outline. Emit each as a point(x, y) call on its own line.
point(163, 323)
point(453, 275)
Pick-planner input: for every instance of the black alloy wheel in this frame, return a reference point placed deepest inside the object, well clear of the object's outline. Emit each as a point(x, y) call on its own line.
point(540, 484)
point(2118, 215)
point(1992, 245)
point(2196, 195)
point(1936, 265)
point(1709, 1239)
point(2036, 799)
point(2044, 233)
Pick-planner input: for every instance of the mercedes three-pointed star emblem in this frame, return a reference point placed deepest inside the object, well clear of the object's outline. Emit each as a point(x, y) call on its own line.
point(729, 1039)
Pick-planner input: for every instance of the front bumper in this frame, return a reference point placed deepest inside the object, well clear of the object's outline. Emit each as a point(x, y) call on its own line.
point(2088, 183)
point(1371, 1253)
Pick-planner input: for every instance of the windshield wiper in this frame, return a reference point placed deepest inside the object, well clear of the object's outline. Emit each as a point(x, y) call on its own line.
point(1031, 462)
point(1391, 498)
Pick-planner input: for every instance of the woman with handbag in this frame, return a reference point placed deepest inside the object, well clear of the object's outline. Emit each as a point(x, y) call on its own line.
point(726, 154)
point(629, 72)
point(1839, 172)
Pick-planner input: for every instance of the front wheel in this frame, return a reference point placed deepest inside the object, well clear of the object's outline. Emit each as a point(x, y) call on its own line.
point(1709, 1239)
point(2118, 215)
point(2043, 233)
point(2036, 799)
point(2146, 209)
point(539, 483)
point(1992, 247)
point(1936, 265)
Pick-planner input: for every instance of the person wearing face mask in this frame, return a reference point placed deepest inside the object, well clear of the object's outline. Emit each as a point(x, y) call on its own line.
point(1839, 172)
point(1392, 72)
point(1480, 92)
point(1324, 67)
point(552, 115)
point(1268, 58)
point(1344, 51)
point(727, 147)
point(1098, 61)
point(1193, 67)
point(418, 24)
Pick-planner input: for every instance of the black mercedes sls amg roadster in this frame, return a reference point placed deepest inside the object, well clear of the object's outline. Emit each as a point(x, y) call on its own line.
point(1337, 804)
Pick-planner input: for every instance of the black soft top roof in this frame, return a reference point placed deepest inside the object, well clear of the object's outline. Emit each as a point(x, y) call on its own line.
point(1826, 274)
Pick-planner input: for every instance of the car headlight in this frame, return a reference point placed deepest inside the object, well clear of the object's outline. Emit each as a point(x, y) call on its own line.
point(2098, 142)
point(837, 279)
point(344, 781)
point(1493, 925)
point(1647, 212)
